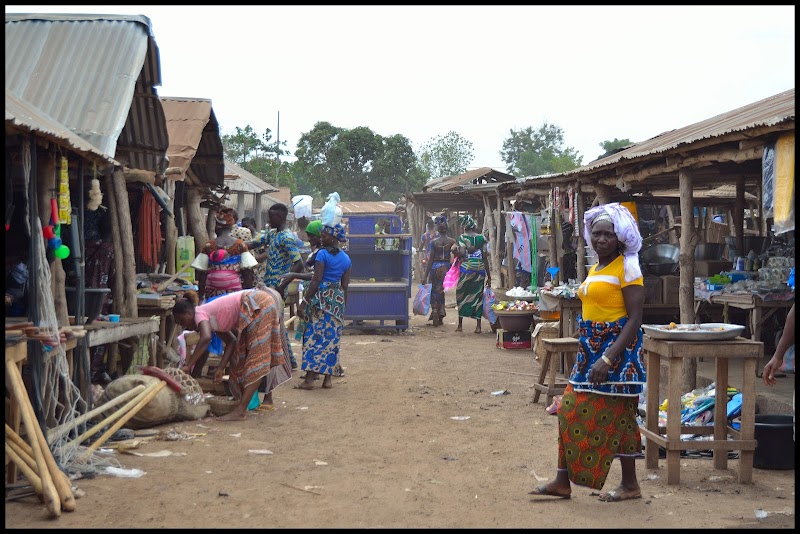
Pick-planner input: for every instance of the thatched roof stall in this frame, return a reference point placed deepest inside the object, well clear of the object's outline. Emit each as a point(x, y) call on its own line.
point(723, 151)
point(196, 168)
point(457, 194)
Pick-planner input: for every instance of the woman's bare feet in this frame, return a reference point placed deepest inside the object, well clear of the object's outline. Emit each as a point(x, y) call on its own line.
point(622, 493)
point(327, 383)
point(235, 415)
point(303, 385)
point(477, 329)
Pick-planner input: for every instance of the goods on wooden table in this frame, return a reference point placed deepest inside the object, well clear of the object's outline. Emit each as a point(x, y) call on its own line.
point(514, 305)
point(693, 332)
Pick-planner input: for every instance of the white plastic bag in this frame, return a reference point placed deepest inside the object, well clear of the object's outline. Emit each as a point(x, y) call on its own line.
point(331, 212)
point(302, 206)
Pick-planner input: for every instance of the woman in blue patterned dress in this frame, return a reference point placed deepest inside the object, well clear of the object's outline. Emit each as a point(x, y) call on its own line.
point(322, 308)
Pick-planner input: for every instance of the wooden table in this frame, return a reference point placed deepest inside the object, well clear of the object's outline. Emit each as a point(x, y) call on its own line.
point(759, 309)
point(674, 352)
point(167, 329)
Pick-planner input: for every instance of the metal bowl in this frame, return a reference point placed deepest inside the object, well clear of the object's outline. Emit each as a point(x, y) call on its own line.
point(709, 251)
point(661, 253)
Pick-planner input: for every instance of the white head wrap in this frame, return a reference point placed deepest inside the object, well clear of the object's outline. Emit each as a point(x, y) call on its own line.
point(627, 233)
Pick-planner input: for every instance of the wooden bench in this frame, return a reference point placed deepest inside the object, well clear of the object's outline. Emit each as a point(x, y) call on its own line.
point(568, 346)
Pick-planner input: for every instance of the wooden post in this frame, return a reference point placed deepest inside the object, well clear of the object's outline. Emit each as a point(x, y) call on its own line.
point(259, 207)
point(581, 253)
point(195, 219)
point(552, 240)
point(240, 203)
point(738, 216)
point(125, 245)
point(686, 261)
point(511, 268)
point(603, 193)
point(673, 239)
point(118, 290)
point(171, 231)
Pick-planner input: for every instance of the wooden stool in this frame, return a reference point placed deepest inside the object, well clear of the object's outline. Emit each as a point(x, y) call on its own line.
point(568, 346)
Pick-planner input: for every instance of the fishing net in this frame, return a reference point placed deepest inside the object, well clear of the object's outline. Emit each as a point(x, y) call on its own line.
point(61, 398)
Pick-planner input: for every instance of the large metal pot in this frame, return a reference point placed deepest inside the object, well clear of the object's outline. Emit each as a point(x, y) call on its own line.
point(660, 259)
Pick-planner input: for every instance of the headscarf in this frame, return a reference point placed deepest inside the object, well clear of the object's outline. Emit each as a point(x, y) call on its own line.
point(336, 231)
point(314, 228)
point(241, 232)
point(467, 222)
point(226, 216)
point(627, 234)
point(440, 219)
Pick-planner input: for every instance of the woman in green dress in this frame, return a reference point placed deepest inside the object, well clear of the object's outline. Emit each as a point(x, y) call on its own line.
point(474, 273)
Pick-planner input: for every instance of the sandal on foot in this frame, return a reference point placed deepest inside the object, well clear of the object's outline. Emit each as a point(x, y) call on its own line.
point(613, 496)
point(543, 491)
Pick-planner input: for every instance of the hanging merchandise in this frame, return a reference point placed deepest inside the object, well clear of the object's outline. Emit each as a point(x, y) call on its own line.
point(534, 255)
point(571, 204)
point(64, 206)
point(185, 255)
point(784, 184)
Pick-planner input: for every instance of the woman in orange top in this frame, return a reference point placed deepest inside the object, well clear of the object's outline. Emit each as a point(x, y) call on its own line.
point(597, 416)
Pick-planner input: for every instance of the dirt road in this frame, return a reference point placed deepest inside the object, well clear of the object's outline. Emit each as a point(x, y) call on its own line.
point(381, 450)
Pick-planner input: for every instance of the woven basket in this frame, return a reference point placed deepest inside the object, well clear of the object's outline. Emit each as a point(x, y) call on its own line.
point(222, 405)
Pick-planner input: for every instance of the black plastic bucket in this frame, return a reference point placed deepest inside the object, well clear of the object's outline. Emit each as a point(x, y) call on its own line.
point(775, 447)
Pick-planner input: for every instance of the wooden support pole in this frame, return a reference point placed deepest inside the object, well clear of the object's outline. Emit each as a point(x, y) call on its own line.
point(133, 411)
point(686, 260)
point(118, 287)
point(125, 246)
point(25, 468)
point(171, 231)
point(581, 252)
point(52, 499)
point(738, 216)
point(194, 215)
point(61, 430)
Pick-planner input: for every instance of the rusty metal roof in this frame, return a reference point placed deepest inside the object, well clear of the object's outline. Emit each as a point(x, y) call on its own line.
point(381, 206)
point(763, 114)
point(22, 116)
point(239, 179)
point(481, 175)
point(96, 75)
point(194, 141)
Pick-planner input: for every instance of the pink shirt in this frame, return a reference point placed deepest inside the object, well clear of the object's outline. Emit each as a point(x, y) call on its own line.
point(221, 313)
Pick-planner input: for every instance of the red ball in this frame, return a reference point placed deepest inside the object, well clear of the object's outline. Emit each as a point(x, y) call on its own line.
point(48, 232)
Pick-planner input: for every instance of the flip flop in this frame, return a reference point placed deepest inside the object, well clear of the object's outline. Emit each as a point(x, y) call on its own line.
point(613, 496)
point(302, 387)
point(543, 491)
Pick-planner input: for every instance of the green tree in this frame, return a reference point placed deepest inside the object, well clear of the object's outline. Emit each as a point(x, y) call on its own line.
point(612, 147)
point(446, 155)
point(530, 152)
point(357, 163)
point(259, 156)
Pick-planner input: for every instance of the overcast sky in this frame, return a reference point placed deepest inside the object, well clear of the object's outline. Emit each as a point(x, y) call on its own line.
point(598, 72)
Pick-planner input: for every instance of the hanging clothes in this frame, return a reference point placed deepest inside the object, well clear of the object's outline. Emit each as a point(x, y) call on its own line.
point(520, 223)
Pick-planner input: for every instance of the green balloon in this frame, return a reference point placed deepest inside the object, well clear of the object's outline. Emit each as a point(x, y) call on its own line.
point(58, 231)
point(62, 252)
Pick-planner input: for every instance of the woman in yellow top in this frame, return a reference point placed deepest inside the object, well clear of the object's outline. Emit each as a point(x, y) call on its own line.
point(597, 417)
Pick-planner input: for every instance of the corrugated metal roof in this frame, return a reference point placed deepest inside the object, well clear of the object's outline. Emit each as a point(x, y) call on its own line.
point(477, 176)
point(381, 206)
point(24, 116)
point(771, 111)
point(194, 140)
point(96, 75)
point(239, 179)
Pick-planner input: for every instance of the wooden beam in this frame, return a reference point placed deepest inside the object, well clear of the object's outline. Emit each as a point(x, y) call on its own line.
point(686, 260)
point(581, 252)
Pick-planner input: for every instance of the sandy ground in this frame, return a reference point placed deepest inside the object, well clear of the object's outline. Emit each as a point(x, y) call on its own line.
point(381, 450)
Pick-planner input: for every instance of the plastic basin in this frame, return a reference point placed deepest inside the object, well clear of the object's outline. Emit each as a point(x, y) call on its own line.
point(775, 441)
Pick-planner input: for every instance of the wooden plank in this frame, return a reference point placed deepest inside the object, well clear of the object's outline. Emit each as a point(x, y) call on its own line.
point(123, 330)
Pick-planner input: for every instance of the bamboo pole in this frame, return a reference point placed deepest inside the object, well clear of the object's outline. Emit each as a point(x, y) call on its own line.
point(148, 397)
point(11, 433)
point(113, 417)
point(28, 472)
point(52, 499)
point(19, 451)
point(60, 430)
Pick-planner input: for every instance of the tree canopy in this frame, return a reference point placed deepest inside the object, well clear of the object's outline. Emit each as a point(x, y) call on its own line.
point(530, 152)
point(446, 155)
point(612, 147)
point(357, 163)
point(259, 155)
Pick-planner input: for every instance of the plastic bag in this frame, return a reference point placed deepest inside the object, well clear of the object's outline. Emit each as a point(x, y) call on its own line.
point(451, 278)
point(331, 212)
point(302, 206)
point(489, 299)
point(422, 300)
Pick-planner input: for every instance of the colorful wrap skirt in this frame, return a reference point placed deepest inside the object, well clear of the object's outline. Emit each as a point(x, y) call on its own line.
point(439, 269)
point(592, 430)
point(322, 333)
point(262, 345)
point(469, 292)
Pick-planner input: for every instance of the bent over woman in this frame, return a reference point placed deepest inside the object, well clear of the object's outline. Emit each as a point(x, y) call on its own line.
point(597, 416)
point(257, 344)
